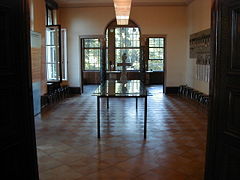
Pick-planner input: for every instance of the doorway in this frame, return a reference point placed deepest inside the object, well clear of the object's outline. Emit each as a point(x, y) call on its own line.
point(91, 56)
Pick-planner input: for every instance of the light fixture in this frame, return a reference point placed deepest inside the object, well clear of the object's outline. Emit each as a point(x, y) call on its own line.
point(122, 11)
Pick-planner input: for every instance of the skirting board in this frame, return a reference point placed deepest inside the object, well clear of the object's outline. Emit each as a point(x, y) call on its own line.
point(44, 101)
point(75, 90)
point(172, 90)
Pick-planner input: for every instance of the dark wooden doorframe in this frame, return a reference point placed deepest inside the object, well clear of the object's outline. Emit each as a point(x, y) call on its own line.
point(81, 38)
point(144, 39)
point(223, 141)
point(18, 152)
point(211, 135)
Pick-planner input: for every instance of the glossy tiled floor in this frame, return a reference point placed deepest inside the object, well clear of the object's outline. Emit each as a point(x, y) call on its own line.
point(174, 150)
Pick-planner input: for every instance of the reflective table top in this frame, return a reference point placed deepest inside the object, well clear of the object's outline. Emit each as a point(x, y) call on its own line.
point(115, 88)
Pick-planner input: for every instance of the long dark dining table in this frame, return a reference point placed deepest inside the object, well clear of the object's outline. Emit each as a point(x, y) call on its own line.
point(117, 89)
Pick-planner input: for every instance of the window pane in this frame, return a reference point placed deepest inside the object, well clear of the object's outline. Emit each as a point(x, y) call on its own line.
point(92, 59)
point(156, 42)
point(107, 59)
point(51, 54)
point(133, 56)
point(92, 43)
point(155, 65)
point(127, 37)
point(52, 73)
point(156, 53)
point(52, 36)
point(107, 38)
point(50, 17)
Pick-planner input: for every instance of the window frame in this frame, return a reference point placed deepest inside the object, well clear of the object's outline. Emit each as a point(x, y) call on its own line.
point(83, 48)
point(58, 62)
point(110, 28)
point(64, 60)
point(148, 53)
point(51, 21)
point(51, 6)
point(127, 48)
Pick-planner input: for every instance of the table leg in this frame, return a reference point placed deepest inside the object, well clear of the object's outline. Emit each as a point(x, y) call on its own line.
point(136, 102)
point(107, 102)
point(98, 116)
point(145, 118)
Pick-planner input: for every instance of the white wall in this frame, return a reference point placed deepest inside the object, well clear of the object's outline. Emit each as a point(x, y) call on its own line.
point(170, 21)
point(199, 18)
point(166, 20)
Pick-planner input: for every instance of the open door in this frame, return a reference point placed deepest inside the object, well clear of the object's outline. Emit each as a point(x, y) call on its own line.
point(17, 134)
point(223, 147)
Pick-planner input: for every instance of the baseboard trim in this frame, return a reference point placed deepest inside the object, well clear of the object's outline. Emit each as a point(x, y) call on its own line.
point(75, 90)
point(172, 90)
point(44, 101)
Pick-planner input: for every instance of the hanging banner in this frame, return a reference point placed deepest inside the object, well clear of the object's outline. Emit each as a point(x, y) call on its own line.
point(200, 50)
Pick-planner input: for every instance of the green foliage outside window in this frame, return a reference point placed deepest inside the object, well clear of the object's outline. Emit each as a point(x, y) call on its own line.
point(133, 57)
point(127, 40)
point(92, 43)
point(156, 53)
point(156, 42)
point(155, 65)
point(92, 54)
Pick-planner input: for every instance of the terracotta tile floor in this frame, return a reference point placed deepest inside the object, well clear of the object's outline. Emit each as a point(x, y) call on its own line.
point(174, 150)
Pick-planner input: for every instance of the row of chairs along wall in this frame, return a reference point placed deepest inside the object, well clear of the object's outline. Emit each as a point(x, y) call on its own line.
point(57, 92)
point(194, 95)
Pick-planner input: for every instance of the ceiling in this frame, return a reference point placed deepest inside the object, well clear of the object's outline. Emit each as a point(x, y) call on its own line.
point(87, 3)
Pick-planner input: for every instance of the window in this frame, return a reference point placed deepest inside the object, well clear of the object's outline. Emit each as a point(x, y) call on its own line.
point(156, 51)
point(120, 40)
point(51, 13)
point(53, 53)
point(107, 50)
point(52, 50)
point(127, 40)
point(56, 62)
point(91, 54)
point(56, 53)
point(50, 16)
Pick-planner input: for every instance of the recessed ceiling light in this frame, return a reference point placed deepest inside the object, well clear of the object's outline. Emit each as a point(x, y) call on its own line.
point(122, 11)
